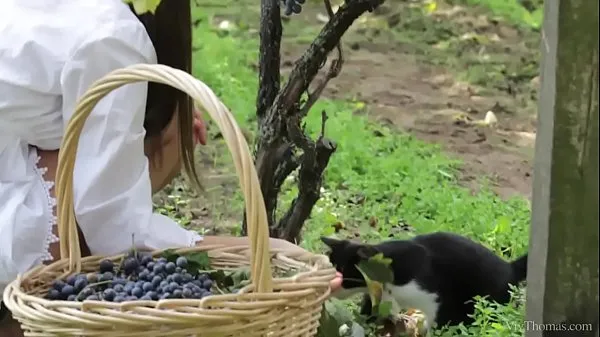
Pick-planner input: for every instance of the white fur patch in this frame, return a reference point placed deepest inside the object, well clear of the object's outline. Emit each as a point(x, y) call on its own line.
point(408, 296)
point(411, 296)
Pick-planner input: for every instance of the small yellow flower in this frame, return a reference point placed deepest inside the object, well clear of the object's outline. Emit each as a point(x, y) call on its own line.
point(143, 6)
point(430, 6)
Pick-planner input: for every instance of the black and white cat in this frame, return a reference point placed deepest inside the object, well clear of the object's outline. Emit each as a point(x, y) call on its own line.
point(438, 273)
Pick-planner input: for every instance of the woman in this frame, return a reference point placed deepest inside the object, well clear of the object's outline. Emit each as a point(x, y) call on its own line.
point(50, 53)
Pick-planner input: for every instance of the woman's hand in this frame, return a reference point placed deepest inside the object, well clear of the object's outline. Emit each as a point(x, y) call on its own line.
point(336, 283)
point(199, 128)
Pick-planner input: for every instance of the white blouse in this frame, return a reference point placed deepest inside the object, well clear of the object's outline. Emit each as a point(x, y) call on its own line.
point(50, 53)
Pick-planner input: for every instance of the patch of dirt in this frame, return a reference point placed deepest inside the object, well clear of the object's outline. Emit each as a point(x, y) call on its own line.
point(424, 102)
point(408, 91)
point(210, 211)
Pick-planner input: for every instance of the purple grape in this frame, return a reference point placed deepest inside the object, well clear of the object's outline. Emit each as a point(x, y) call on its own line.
point(67, 290)
point(92, 298)
point(71, 279)
point(53, 294)
point(187, 293)
point(158, 268)
point(146, 259)
point(119, 299)
point(181, 262)
point(92, 278)
point(109, 294)
point(80, 283)
point(177, 278)
point(187, 277)
point(147, 286)
point(137, 292)
point(106, 266)
point(170, 267)
point(130, 265)
point(128, 288)
point(153, 295)
point(58, 284)
point(106, 276)
point(144, 275)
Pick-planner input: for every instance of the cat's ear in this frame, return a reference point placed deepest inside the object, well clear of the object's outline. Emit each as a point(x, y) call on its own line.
point(333, 243)
point(366, 252)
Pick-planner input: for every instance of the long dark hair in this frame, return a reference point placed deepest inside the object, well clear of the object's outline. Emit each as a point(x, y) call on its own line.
point(170, 29)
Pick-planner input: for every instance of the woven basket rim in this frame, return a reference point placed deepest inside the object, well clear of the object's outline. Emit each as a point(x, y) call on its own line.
point(296, 297)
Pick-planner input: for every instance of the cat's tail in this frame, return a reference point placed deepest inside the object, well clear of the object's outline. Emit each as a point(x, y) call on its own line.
point(519, 268)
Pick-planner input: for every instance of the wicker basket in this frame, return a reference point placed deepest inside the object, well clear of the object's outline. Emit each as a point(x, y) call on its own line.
point(268, 306)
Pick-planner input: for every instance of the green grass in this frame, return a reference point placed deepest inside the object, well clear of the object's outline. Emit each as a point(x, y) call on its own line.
point(513, 11)
point(376, 173)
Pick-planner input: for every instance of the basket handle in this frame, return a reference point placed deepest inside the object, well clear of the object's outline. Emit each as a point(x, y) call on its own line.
point(256, 214)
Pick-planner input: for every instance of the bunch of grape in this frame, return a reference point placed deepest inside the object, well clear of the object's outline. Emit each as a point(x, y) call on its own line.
point(139, 277)
point(292, 6)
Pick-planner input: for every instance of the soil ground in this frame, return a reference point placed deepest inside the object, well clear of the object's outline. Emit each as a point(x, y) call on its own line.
point(421, 87)
point(421, 72)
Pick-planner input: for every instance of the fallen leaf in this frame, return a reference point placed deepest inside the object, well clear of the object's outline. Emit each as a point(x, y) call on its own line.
point(489, 120)
point(338, 226)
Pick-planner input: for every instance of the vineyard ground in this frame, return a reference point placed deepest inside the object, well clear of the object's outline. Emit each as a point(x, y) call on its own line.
point(431, 68)
point(407, 162)
point(405, 68)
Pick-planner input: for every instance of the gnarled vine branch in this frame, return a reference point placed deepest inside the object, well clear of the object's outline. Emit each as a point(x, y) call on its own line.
point(280, 113)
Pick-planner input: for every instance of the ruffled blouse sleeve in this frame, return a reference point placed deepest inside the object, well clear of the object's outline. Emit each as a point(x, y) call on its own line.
point(112, 190)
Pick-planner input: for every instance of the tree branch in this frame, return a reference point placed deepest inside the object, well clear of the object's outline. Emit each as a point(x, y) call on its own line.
point(334, 70)
point(269, 56)
point(315, 159)
point(305, 70)
point(279, 125)
point(268, 87)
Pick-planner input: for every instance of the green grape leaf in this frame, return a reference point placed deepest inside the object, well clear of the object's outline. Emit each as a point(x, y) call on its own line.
point(144, 6)
point(170, 255)
point(377, 268)
point(239, 277)
point(334, 315)
point(328, 325)
point(376, 272)
point(230, 281)
point(197, 261)
point(384, 309)
point(357, 330)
